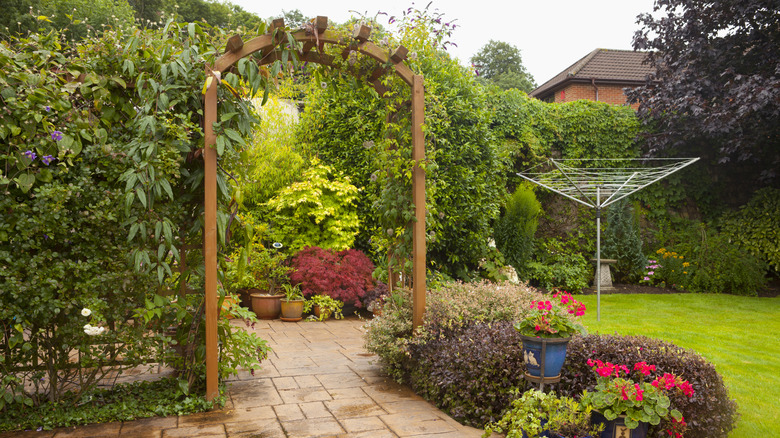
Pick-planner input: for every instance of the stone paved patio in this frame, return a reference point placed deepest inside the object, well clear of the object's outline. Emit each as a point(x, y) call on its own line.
point(318, 382)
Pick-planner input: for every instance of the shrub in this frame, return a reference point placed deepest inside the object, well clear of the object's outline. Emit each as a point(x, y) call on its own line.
point(756, 226)
point(514, 231)
point(317, 211)
point(456, 304)
point(472, 372)
point(274, 161)
point(723, 267)
point(470, 367)
point(388, 335)
point(449, 307)
point(557, 266)
point(623, 243)
point(375, 294)
point(716, 265)
point(467, 339)
point(710, 413)
point(343, 275)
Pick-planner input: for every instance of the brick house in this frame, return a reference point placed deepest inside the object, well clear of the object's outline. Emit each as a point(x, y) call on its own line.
point(601, 76)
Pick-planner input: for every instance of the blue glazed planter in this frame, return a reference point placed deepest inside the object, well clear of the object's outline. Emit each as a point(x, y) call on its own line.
point(617, 428)
point(554, 355)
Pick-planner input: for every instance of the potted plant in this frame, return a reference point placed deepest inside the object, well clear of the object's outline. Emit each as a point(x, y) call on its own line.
point(240, 280)
point(572, 419)
point(323, 307)
point(537, 414)
point(292, 303)
point(627, 406)
point(546, 332)
point(525, 418)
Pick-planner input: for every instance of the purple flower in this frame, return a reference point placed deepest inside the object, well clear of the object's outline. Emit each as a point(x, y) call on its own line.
point(647, 278)
point(47, 108)
point(47, 159)
point(56, 135)
point(30, 154)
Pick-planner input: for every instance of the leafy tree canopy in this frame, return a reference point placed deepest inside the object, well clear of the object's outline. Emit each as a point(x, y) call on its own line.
point(78, 19)
point(294, 18)
point(716, 89)
point(501, 63)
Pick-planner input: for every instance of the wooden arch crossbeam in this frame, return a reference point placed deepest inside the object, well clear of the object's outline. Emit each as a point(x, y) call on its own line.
point(314, 36)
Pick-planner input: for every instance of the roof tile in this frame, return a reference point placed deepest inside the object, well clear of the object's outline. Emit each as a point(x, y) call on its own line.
point(602, 64)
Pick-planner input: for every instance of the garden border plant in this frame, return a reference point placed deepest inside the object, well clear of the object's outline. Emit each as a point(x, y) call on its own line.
point(96, 126)
point(467, 360)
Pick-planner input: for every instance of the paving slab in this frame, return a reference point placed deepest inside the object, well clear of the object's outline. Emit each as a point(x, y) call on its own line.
point(317, 382)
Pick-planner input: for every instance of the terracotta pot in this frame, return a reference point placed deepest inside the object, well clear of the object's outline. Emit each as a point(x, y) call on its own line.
point(267, 306)
point(292, 310)
point(319, 313)
point(228, 303)
point(245, 297)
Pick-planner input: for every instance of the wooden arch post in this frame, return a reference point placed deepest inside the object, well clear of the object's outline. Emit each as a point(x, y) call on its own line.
point(312, 38)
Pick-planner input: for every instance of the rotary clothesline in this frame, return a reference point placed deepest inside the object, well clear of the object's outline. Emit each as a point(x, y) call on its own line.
point(598, 186)
point(614, 183)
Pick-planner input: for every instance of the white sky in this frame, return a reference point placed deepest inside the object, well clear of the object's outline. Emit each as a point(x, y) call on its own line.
point(551, 34)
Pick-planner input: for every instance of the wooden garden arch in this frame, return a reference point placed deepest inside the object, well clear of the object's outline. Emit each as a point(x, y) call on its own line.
point(315, 36)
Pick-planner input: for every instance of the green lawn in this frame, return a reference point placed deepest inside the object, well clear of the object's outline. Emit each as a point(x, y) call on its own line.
point(737, 334)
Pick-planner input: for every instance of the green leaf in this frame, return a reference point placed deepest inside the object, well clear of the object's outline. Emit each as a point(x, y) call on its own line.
point(167, 232)
point(235, 136)
point(129, 196)
point(167, 187)
point(25, 181)
point(137, 260)
point(131, 179)
point(220, 145)
point(141, 195)
point(44, 175)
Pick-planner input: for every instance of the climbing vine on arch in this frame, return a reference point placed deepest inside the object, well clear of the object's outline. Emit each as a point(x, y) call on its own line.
point(346, 126)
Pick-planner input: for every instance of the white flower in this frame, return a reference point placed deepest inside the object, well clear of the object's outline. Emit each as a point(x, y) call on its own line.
point(93, 331)
point(86, 312)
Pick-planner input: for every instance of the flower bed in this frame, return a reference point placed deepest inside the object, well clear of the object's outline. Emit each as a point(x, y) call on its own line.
point(467, 358)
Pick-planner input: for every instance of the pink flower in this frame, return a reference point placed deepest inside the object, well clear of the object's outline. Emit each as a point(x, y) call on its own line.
point(537, 327)
point(686, 388)
point(623, 392)
point(639, 392)
point(644, 368)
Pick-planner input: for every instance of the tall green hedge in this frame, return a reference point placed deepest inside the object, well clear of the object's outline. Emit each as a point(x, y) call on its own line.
point(367, 136)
